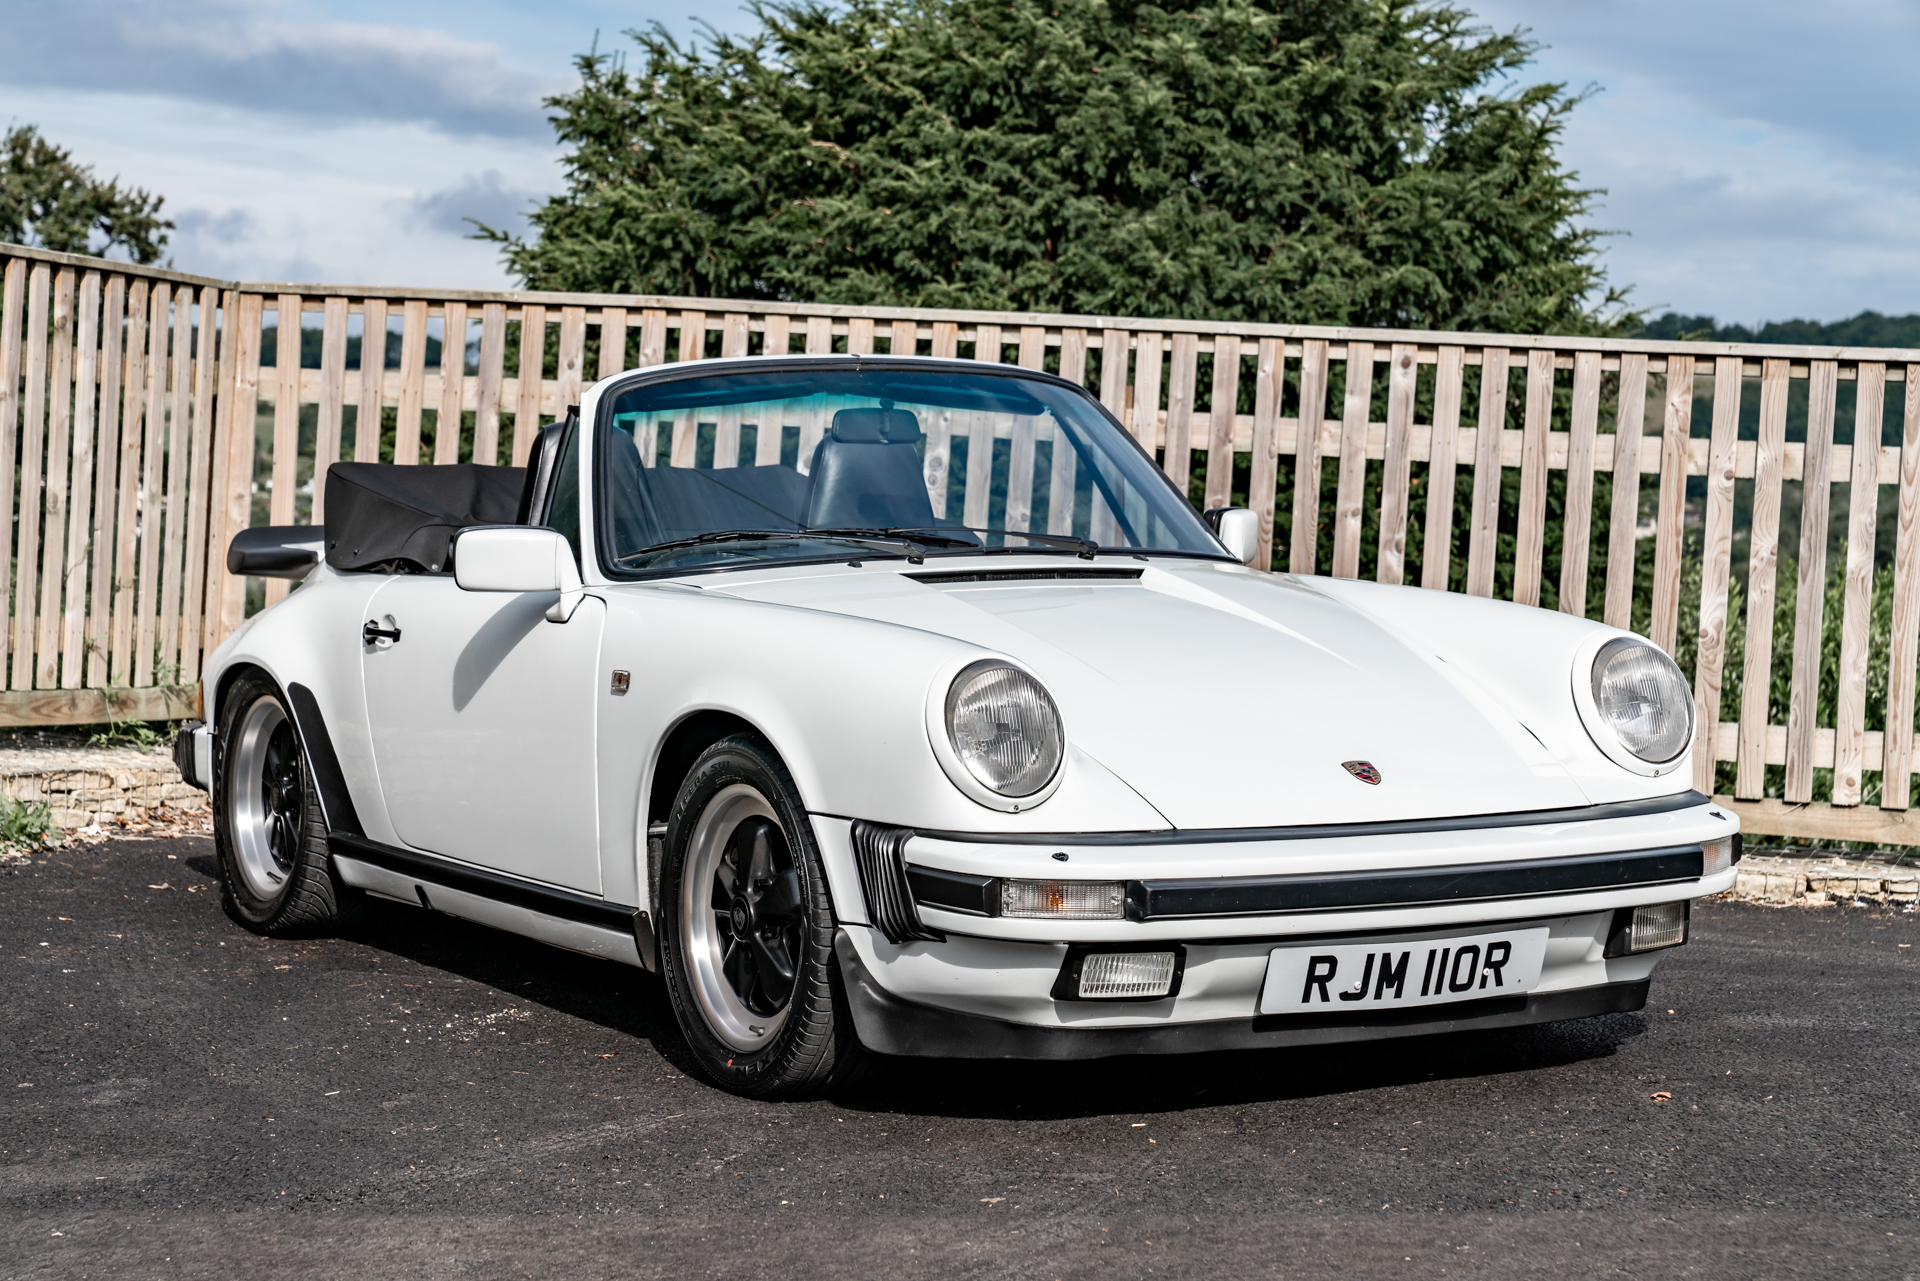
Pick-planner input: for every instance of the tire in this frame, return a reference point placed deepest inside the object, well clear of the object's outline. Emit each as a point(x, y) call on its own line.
point(275, 874)
point(725, 936)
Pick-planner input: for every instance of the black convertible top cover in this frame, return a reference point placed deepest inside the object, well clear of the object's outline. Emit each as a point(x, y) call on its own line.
point(402, 519)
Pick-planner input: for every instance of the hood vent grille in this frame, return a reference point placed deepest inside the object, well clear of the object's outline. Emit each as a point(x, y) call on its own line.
point(1022, 576)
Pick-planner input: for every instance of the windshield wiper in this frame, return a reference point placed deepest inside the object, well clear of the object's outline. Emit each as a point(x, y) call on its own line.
point(1086, 547)
point(916, 551)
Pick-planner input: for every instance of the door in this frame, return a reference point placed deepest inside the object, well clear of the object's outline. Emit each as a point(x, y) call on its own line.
point(482, 715)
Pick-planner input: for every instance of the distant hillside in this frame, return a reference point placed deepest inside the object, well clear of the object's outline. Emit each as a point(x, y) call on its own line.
point(1868, 329)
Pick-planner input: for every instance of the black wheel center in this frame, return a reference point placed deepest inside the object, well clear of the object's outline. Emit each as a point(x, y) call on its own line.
point(741, 914)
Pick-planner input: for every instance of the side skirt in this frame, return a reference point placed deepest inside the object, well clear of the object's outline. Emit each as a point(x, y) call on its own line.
point(572, 921)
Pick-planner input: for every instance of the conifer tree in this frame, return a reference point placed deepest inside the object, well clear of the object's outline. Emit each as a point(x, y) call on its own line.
point(1363, 162)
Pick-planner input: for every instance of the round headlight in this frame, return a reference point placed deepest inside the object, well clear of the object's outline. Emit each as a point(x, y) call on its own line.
point(1644, 700)
point(1004, 728)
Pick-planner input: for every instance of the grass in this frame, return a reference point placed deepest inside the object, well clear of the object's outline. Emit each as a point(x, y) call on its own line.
point(27, 825)
point(146, 735)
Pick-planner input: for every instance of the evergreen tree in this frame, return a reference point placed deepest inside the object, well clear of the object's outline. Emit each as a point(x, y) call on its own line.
point(1363, 162)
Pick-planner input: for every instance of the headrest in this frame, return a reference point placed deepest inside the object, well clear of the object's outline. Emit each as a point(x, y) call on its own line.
point(876, 426)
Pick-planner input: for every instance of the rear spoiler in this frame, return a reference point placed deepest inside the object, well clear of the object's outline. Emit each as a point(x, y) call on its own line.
point(276, 551)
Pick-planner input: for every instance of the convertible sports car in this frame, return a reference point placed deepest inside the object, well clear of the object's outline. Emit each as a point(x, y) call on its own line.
point(896, 706)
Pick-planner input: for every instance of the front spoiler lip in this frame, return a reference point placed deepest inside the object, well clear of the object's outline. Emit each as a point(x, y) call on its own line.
point(888, 1024)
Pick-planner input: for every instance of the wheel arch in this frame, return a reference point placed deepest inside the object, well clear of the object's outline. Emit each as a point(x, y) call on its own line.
point(336, 802)
point(691, 735)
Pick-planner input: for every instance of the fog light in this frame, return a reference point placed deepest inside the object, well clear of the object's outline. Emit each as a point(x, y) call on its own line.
point(1717, 856)
point(1128, 974)
point(1064, 900)
point(1657, 925)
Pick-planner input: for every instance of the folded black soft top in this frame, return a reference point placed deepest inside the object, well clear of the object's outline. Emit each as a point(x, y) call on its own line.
point(402, 519)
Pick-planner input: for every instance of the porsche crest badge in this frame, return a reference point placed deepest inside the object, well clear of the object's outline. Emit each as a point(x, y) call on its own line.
point(1362, 770)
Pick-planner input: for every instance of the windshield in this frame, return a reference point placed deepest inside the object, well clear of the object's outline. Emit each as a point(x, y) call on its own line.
point(827, 463)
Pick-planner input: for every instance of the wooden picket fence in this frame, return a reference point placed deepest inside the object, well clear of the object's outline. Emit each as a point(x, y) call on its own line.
point(143, 426)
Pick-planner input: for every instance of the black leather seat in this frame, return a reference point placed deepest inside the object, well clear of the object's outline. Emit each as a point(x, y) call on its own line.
point(660, 504)
point(867, 474)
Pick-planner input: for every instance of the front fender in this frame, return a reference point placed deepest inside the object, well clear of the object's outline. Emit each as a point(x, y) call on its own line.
point(841, 699)
point(1522, 657)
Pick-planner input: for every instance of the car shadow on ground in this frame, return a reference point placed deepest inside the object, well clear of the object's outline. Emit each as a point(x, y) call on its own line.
point(1011, 1090)
point(634, 1003)
point(617, 997)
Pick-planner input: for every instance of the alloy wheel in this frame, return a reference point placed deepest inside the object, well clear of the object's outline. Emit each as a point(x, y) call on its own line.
point(743, 917)
point(266, 797)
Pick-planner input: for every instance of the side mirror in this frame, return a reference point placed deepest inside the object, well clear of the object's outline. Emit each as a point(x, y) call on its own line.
point(1238, 531)
point(518, 558)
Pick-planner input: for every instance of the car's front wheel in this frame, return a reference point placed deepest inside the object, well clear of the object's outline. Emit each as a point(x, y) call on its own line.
point(275, 875)
point(747, 944)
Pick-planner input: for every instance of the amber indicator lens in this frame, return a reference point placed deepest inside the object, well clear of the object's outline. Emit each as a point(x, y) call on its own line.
point(1064, 900)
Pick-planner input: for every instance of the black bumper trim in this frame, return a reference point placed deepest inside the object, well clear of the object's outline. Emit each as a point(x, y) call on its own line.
point(183, 756)
point(889, 1025)
point(1410, 887)
point(1397, 827)
point(434, 870)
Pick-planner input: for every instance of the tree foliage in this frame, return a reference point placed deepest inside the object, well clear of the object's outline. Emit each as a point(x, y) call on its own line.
point(49, 200)
point(1366, 162)
point(1868, 329)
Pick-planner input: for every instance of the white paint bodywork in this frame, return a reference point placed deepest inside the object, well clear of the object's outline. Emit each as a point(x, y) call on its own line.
point(482, 720)
point(1202, 695)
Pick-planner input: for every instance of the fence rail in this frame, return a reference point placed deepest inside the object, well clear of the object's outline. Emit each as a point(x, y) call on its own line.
point(1723, 499)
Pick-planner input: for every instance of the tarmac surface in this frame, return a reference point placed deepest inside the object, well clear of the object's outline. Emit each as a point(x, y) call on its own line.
point(431, 1098)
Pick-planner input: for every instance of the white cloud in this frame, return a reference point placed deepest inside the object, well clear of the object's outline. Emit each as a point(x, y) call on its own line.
point(1759, 154)
point(255, 55)
point(484, 198)
point(334, 204)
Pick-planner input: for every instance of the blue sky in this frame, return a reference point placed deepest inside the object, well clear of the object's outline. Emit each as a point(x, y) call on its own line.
point(1760, 154)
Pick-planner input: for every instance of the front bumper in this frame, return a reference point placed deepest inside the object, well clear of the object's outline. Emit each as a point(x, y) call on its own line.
point(926, 979)
point(890, 1024)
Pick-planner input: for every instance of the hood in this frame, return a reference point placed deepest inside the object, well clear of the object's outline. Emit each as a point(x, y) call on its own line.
point(1225, 697)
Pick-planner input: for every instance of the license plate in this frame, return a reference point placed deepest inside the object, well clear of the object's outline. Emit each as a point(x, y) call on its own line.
point(1355, 977)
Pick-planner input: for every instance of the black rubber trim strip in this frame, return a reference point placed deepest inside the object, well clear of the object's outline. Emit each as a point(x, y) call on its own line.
point(954, 891)
point(883, 878)
point(335, 800)
point(564, 904)
point(888, 1024)
point(1322, 831)
point(943, 577)
point(1410, 887)
point(183, 755)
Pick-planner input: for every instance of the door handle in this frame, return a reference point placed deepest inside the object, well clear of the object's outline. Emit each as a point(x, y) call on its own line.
point(373, 632)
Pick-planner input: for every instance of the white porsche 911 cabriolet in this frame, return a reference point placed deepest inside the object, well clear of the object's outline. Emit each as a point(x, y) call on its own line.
point(902, 706)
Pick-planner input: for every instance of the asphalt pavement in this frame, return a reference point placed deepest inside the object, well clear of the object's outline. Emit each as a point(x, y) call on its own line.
point(431, 1098)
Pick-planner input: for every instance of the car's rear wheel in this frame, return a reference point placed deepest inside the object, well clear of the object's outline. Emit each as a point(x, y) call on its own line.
point(275, 875)
point(747, 937)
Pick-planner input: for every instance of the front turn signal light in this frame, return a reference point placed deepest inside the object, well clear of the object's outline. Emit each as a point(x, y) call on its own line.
point(1064, 900)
